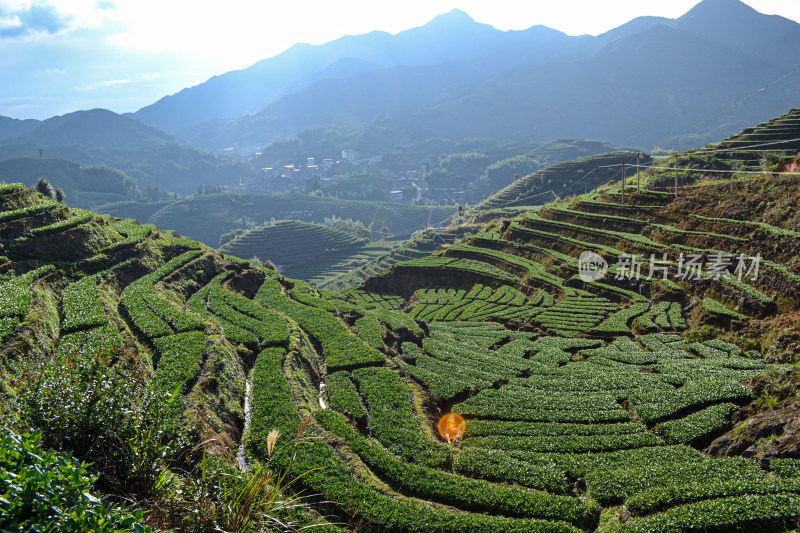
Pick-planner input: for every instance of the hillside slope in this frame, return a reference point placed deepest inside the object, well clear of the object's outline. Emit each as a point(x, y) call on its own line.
point(562, 179)
point(207, 217)
point(642, 400)
point(85, 186)
point(101, 137)
point(296, 248)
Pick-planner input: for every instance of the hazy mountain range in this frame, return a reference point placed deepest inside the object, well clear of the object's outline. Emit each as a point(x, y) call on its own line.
point(652, 81)
point(102, 137)
point(642, 83)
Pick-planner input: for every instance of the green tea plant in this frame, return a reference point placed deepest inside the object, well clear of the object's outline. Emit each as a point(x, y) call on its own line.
point(41, 490)
point(97, 404)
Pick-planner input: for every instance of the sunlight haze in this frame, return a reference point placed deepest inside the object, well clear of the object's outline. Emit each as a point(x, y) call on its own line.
point(123, 55)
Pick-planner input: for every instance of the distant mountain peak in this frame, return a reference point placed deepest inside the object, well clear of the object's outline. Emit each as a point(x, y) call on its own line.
point(773, 39)
point(452, 17)
point(719, 8)
point(93, 127)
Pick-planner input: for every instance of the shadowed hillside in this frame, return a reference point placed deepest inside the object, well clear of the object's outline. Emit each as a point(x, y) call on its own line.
point(207, 217)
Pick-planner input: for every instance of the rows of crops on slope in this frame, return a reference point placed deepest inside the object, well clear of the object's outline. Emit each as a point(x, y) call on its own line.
point(773, 138)
point(729, 264)
point(481, 302)
point(586, 402)
point(417, 247)
point(615, 395)
point(123, 298)
point(557, 180)
point(296, 247)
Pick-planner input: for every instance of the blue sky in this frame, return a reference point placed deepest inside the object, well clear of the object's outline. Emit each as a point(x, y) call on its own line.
point(57, 57)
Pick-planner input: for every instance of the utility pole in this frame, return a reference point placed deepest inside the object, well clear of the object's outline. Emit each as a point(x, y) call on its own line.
point(676, 174)
point(638, 153)
point(595, 178)
point(623, 182)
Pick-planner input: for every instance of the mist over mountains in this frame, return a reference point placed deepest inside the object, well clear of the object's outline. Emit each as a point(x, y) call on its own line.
point(646, 82)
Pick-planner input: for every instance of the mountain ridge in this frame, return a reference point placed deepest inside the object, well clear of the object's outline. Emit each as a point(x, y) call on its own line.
point(93, 127)
point(378, 47)
point(717, 30)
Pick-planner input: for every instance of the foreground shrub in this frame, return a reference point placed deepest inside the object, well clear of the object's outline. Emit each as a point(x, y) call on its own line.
point(41, 490)
point(96, 403)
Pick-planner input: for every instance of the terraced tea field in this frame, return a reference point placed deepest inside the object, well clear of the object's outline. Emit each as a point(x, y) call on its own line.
point(355, 269)
point(207, 217)
point(299, 249)
point(561, 179)
point(588, 401)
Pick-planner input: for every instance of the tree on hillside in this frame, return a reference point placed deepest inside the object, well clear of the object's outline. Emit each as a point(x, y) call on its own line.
point(354, 227)
point(499, 174)
point(43, 186)
point(102, 178)
point(60, 195)
point(456, 170)
point(154, 193)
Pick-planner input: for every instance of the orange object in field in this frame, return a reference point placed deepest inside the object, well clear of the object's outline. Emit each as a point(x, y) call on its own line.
point(452, 426)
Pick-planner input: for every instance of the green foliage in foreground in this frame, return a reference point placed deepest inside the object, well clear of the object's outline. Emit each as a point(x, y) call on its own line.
point(29, 211)
point(786, 468)
point(615, 485)
point(41, 490)
point(343, 395)
point(15, 294)
point(709, 421)
point(393, 422)
point(79, 217)
point(94, 401)
point(81, 307)
point(659, 498)
point(152, 315)
point(180, 358)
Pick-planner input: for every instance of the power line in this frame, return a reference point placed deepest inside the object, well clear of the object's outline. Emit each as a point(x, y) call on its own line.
point(430, 227)
point(532, 196)
point(671, 168)
point(714, 171)
point(739, 101)
point(718, 150)
point(591, 172)
point(742, 149)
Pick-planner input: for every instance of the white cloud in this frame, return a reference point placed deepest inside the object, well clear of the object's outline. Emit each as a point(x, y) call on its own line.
point(30, 19)
point(237, 33)
point(107, 84)
point(103, 85)
point(9, 22)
